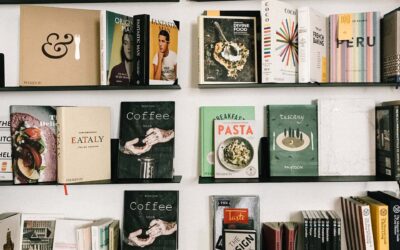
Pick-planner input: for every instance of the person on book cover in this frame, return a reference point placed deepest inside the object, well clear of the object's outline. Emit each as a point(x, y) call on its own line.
point(157, 228)
point(121, 73)
point(165, 60)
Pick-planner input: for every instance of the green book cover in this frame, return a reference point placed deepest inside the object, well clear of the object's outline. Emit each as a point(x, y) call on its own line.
point(207, 117)
point(293, 142)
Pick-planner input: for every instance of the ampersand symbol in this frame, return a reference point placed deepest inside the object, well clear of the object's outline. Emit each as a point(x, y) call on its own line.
point(56, 50)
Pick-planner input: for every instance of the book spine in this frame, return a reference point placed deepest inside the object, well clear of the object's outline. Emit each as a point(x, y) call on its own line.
point(366, 222)
point(95, 238)
point(304, 45)
point(61, 178)
point(80, 239)
point(103, 48)
point(382, 236)
point(141, 24)
point(266, 60)
point(396, 151)
point(306, 235)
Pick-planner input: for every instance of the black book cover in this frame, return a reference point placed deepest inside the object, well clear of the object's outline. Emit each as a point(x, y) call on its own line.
point(146, 145)
point(150, 220)
point(140, 74)
point(393, 204)
point(2, 81)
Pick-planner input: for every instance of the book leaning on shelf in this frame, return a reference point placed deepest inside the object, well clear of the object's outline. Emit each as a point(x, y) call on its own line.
point(5, 150)
point(391, 46)
point(10, 231)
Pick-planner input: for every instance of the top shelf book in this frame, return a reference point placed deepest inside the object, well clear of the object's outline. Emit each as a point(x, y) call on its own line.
point(76, 1)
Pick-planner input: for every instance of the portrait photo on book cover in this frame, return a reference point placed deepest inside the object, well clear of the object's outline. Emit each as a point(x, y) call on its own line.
point(120, 74)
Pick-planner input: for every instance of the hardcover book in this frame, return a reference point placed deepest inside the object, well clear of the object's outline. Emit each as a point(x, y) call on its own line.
point(84, 237)
point(5, 150)
point(55, 52)
point(228, 49)
point(83, 145)
point(280, 42)
point(236, 149)
point(116, 48)
point(272, 235)
point(293, 143)
point(355, 47)
point(10, 227)
point(65, 237)
point(207, 116)
point(34, 143)
point(150, 220)
point(313, 46)
point(114, 235)
point(391, 47)
point(146, 146)
point(290, 235)
point(100, 234)
point(37, 231)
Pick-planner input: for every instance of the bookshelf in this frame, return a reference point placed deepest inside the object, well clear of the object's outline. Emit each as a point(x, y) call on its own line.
point(296, 85)
point(81, 88)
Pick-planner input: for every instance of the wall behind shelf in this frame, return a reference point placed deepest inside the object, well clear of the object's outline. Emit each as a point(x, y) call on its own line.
point(279, 201)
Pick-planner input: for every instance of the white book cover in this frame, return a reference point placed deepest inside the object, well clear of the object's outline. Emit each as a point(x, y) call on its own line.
point(363, 214)
point(84, 237)
point(280, 42)
point(236, 149)
point(346, 132)
point(10, 231)
point(65, 237)
point(313, 46)
point(100, 234)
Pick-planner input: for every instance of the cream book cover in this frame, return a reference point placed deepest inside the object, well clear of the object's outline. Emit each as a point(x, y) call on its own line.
point(83, 146)
point(59, 46)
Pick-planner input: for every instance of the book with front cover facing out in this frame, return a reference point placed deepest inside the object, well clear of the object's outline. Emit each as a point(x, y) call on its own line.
point(150, 220)
point(207, 116)
point(391, 47)
point(10, 231)
point(146, 141)
point(58, 53)
point(83, 145)
point(34, 143)
point(5, 149)
point(293, 140)
point(227, 49)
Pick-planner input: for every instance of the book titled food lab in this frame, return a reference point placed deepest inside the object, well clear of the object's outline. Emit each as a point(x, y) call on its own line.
point(313, 46)
point(34, 143)
point(293, 140)
point(280, 42)
point(391, 46)
point(146, 214)
point(227, 49)
point(236, 146)
point(146, 146)
point(5, 149)
point(83, 145)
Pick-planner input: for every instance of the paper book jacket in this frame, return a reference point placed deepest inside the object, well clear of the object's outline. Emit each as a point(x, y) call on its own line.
point(34, 143)
point(146, 146)
point(5, 149)
point(293, 140)
point(356, 59)
point(54, 52)
point(145, 213)
point(163, 51)
point(228, 51)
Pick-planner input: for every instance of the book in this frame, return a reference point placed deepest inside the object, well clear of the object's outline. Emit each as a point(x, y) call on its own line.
point(207, 116)
point(6, 173)
point(146, 145)
point(37, 231)
point(62, 53)
point(155, 38)
point(313, 46)
point(227, 49)
point(364, 222)
point(344, 125)
point(83, 144)
point(293, 143)
point(10, 231)
point(100, 234)
point(34, 143)
point(290, 235)
point(355, 47)
point(280, 58)
point(116, 48)
point(390, 36)
point(272, 235)
point(305, 229)
point(236, 149)
point(114, 235)
point(223, 211)
point(150, 220)
point(240, 239)
point(65, 236)
point(84, 237)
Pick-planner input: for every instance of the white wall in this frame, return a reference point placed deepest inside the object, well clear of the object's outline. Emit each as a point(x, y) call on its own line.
point(279, 201)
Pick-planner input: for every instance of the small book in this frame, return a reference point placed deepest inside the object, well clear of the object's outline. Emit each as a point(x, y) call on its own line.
point(272, 235)
point(10, 231)
point(6, 173)
point(100, 234)
point(65, 237)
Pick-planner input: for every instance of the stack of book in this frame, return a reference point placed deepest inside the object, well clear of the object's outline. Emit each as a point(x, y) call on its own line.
point(280, 235)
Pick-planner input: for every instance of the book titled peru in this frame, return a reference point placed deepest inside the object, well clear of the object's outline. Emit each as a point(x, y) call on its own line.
point(146, 146)
point(355, 47)
point(84, 144)
point(280, 58)
point(150, 220)
point(58, 53)
point(391, 46)
point(207, 116)
point(5, 149)
point(236, 149)
point(293, 140)
point(34, 143)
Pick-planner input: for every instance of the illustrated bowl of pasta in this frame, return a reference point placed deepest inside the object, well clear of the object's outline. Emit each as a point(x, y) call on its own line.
point(235, 153)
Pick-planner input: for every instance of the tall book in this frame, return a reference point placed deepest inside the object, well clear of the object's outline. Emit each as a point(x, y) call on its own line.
point(65, 237)
point(150, 220)
point(100, 234)
point(116, 48)
point(83, 144)
point(362, 215)
point(391, 46)
point(34, 143)
point(10, 228)
point(290, 235)
point(6, 173)
point(272, 233)
point(227, 49)
point(114, 235)
point(293, 140)
point(62, 53)
point(37, 231)
point(236, 149)
point(280, 42)
point(146, 146)
point(355, 47)
point(208, 114)
point(313, 46)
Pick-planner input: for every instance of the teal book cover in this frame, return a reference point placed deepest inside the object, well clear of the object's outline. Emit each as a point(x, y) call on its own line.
point(207, 116)
point(293, 140)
